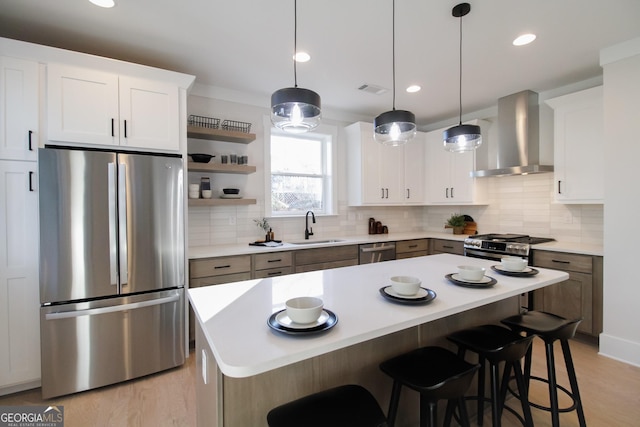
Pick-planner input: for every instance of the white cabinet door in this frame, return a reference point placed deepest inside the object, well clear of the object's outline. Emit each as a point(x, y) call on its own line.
point(92, 107)
point(449, 180)
point(18, 109)
point(82, 105)
point(379, 174)
point(149, 114)
point(414, 170)
point(19, 289)
point(579, 146)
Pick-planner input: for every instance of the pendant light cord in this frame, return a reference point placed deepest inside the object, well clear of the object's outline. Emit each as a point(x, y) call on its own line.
point(460, 73)
point(393, 50)
point(295, 42)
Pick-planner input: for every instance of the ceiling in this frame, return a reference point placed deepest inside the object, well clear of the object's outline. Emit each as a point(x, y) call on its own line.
point(244, 47)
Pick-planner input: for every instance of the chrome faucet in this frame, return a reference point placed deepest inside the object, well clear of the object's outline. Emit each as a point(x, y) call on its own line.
point(308, 231)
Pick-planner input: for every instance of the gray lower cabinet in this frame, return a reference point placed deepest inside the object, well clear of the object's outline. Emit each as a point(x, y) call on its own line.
point(412, 248)
point(324, 258)
point(578, 297)
point(442, 246)
point(272, 264)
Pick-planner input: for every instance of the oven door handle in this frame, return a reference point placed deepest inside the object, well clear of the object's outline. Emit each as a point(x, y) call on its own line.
point(473, 253)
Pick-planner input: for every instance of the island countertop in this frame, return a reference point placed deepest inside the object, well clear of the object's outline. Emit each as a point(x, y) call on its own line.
point(234, 316)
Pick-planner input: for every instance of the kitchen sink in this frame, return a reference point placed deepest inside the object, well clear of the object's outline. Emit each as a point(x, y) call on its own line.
point(316, 242)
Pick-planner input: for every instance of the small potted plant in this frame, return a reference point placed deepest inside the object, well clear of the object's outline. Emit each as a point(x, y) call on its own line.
point(264, 225)
point(457, 222)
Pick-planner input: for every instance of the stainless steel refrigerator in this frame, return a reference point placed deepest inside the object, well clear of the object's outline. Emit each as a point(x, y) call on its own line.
point(112, 262)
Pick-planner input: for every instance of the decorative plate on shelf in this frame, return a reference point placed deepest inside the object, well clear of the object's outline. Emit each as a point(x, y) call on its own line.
point(230, 196)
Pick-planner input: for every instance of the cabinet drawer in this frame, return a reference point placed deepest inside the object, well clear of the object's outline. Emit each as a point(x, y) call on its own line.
point(325, 255)
point(416, 245)
point(272, 260)
point(326, 265)
point(563, 261)
point(219, 266)
point(448, 246)
point(218, 280)
point(273, 272)
point(404, 255)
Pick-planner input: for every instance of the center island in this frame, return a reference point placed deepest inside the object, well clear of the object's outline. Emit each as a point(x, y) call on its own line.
point(244, 368)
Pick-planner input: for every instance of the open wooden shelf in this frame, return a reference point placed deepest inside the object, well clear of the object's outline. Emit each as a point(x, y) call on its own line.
point(220, 168)
point(221, 202)
point(220, 135)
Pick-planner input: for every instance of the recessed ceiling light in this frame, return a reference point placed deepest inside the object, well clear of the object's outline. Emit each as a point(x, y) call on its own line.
point(301, 57)
point(524, 39)
point(413, 88)
point(103, 3)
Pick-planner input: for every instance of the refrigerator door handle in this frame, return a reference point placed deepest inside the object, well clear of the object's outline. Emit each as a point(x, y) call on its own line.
point(113, 226)
point(122, 223)
point(110, 309)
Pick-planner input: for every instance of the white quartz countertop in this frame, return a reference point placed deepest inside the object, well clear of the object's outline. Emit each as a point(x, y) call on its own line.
point(234, 316)
point(246, 249)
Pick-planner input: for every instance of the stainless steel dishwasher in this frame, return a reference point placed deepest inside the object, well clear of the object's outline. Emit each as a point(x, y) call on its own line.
point(377, 252)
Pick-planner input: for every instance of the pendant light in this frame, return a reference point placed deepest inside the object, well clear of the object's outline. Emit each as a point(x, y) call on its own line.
point(462, 137)
point(294, 109)
point(394, 127)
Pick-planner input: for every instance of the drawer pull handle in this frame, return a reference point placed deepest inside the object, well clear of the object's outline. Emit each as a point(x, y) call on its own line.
point(413, 246)
point(221, 266)
point(447, 247)
point(275, 273)
point(561, 261)
point(30, 135)
point(275, 260)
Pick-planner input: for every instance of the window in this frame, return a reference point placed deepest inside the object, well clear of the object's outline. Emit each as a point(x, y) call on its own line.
point(301, 172)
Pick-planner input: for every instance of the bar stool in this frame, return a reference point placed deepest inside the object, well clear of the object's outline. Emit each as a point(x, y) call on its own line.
point(551, 328)
point(496, 344)
point(345, 406)
point(435, 373)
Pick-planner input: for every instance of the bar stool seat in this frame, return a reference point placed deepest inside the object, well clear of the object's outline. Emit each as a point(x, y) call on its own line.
point(496, 344)
point(435, 373)
point(344, 406)
point(551, 328)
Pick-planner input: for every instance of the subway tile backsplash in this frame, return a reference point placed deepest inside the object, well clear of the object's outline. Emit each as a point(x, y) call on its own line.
point(517, 204)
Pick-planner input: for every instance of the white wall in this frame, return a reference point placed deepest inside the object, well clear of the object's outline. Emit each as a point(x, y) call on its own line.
point(621, 336)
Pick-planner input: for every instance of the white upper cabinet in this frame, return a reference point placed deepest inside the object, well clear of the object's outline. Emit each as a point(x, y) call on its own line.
point(579, 147)
point(86, 106)
point(19, 130)
point(19, 288)
point(380, 174)
point(449, 178)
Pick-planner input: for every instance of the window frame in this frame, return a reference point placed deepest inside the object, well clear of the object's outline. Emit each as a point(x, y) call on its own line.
point(328, 136)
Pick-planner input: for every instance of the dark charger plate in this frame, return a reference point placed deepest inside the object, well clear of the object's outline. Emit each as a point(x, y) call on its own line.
point(487, 284)
point(430, 296)
point(527, 272)
point(276, 326)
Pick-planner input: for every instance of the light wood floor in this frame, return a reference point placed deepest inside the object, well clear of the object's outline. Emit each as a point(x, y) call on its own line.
point(610, 395)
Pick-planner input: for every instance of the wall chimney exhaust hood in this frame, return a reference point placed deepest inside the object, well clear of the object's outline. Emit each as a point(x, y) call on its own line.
point(518, 151)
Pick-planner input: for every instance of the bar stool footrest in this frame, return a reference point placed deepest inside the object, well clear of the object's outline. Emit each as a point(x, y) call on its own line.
point(546, 408)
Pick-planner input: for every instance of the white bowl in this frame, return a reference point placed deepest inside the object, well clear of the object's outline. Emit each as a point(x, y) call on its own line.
point(304, 309)
point(471, 272)
point(194, 187)
point(513, 263)
point(206, 194)
point(194, 194)
point(405, 285)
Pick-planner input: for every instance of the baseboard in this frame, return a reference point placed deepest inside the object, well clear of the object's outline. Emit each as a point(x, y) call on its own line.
point(620, 349)
point(17, 388)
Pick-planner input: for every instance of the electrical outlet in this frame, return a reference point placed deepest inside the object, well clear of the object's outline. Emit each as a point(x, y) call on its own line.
point(232, 220)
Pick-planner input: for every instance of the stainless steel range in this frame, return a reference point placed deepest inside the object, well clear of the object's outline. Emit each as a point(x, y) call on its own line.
point(496, 246)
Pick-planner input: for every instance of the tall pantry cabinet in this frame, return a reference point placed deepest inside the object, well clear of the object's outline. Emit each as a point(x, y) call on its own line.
point(19, 292)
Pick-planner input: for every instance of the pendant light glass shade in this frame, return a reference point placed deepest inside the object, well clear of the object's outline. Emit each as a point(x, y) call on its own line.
point(461, 138)
point(394, 127)
point(293, 109)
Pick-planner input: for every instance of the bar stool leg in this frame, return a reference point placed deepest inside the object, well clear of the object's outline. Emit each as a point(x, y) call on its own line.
point(524, 395)
point(481, 386)
point(495, 393)
point(573, 380)
point(428, 412)
point(462, 409)
point(393, 403)
point(553, 391)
